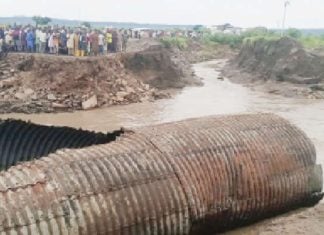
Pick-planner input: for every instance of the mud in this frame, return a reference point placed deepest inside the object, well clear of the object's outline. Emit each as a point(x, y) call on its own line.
point(279, 67)
point(161, 68)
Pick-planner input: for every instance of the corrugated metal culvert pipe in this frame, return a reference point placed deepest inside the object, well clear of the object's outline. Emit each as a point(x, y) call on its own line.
point(197, 176)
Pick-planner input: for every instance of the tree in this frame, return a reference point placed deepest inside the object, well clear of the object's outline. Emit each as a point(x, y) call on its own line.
point(294, 33)
point(39, 20)
point(86, 24)
point(198, 28)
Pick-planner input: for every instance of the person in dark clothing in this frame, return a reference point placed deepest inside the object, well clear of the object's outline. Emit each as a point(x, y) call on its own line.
point(30, 38)
point(2, 35)
point(114, 41)
point(63, 41)
point(23, 41)
point(125, 40)
point(83, 44)
point(15, 36)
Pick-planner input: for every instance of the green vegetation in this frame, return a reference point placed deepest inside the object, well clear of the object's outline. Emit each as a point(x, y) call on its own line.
point(252, 35)
point(179, 42)
point(224, 39)
point(312, 42)
point(235, 40)
point(294, 33)
point(86, 24)
point(39, 20)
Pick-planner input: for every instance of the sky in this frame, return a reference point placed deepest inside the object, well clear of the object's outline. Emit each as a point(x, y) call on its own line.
point(244, 13)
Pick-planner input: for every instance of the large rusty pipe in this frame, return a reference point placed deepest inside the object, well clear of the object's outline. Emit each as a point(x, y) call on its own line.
point(197, 176)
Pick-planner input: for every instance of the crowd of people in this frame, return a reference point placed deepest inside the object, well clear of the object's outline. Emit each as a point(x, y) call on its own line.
point(67, 41)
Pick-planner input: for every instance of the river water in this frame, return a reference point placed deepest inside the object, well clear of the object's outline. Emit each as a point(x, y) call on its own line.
point(215, 97)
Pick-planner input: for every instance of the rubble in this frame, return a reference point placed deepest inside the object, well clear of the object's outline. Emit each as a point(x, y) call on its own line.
point(43, 83)
point(90, 103)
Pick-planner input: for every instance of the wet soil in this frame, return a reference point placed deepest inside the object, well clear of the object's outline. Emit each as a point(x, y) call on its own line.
point(280, 66)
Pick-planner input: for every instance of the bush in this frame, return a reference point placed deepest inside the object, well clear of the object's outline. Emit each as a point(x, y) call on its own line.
point(312, 41)
point(225, 39)
point(179, 42)
point(294, 33)
point(260, 33)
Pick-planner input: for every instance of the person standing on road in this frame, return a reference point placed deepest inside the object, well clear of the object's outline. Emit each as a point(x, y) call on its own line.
point(125, 40)
point(114, 40)
point(30, 38)
point(37, 40)
point(2, 34)
point(76, 40)
point(15, 36)
point(109, 41)
point(42, 41)
point(70, 43)
point(23, 42)
point(51, 43)
point(101, 39)
point(56, 42)
point(94, 43)
point(83, 44)
point(63, 41)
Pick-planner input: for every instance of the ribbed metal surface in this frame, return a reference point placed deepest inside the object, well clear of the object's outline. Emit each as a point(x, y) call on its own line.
point(21, 141)
point(196, 176)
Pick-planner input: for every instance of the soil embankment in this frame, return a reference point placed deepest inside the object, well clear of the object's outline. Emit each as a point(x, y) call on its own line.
point(33, 83)
point(279, 66)
point(161, 68)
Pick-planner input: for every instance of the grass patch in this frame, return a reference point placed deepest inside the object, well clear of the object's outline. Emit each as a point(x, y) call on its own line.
point(179, 42)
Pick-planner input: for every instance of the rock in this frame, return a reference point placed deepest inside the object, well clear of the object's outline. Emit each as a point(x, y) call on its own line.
point(91, 103)
point(6, 97)
point(124, 82)
point(21, 96)
point(12, 70)
point(146, 87)
point(29, 91)
point(130, 90)
point(119, 99)
point(121, 94)
point(161, 95)
point(34, 97)
point(51, 97)
point(144, 99)
point(59, 106)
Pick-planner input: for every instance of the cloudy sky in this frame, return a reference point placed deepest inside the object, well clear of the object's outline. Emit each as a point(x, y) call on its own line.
point(245, 13)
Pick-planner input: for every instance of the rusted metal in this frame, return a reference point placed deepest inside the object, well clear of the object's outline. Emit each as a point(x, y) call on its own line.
point(196, 176)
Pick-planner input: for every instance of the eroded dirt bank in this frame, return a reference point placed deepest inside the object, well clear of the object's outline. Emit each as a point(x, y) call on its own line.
point(33, 83)
point(280, 67)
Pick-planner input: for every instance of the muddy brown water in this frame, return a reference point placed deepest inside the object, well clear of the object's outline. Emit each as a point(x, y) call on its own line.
point(215, 97)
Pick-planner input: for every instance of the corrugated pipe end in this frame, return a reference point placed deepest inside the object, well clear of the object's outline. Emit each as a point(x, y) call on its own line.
point(24, 141)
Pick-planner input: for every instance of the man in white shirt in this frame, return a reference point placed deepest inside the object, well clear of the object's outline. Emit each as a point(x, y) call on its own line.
point(42, 41)
point(101, 43)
